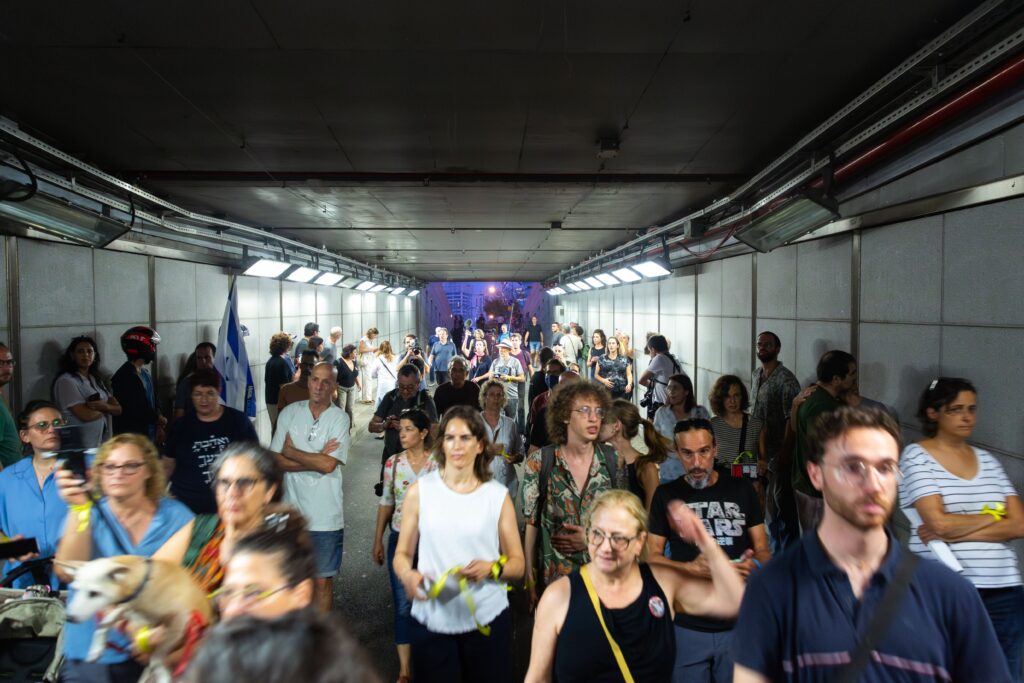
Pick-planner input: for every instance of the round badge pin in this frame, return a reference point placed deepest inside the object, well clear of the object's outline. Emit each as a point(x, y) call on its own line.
point(657, 607)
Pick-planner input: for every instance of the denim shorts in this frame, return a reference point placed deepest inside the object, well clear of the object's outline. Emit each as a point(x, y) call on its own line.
point(534, 347)
point(327, 547)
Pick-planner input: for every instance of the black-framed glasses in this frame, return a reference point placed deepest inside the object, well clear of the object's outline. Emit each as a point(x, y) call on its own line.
point(616, 541)
point(47, 424)
point(7, 363)
point(693, 423)
point(127, 468)
point(243, 485)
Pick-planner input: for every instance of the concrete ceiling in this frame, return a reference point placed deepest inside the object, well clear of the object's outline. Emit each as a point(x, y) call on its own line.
point(442, 139)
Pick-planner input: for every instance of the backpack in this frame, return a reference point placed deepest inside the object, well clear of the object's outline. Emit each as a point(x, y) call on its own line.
point(547, 463)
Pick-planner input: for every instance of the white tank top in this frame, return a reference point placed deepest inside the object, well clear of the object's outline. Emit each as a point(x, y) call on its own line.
point(455, 529)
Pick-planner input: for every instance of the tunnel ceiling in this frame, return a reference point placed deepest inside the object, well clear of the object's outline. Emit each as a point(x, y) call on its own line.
point(441, 139)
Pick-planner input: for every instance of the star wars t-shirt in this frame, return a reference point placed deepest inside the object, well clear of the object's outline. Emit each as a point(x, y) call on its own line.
point(728, 509)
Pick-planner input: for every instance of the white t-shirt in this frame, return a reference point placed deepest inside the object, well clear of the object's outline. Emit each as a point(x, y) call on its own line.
point(571, 346)
point(986, 565)
point(663, 368)
point(317, 496)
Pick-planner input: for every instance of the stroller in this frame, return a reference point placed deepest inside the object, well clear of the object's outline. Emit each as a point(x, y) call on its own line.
point(31, 626)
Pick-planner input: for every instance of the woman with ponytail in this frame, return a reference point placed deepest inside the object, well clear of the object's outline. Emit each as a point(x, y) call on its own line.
point(621, 426)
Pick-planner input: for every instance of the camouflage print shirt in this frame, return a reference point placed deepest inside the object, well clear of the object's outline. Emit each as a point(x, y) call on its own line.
point(565, 504)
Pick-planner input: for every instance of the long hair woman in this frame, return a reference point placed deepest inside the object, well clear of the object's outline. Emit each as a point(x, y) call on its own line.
point(621, 425)
point(463, 527)
point(83, 396)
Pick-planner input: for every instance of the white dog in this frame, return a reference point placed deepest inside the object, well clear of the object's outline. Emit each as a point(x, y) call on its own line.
point(145, 592)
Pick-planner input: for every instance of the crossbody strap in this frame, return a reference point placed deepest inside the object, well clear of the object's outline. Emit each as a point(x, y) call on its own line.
point(888, 606)
point(743, 436)
point(616, 650)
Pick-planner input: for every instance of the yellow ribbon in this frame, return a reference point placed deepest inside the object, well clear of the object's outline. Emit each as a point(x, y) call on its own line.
point(998, 510)
point(142, 639)
point(435, 590)
point(82, 511)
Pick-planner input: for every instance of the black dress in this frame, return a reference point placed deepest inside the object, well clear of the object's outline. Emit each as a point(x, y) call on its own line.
point(643, 630)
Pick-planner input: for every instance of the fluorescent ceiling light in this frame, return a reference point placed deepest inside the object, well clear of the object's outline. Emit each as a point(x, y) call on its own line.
point(350, 282)
point(574, 287)
point(366, 285)
point(398, 290)
point(413, 293)
point(302, 274)
point(794, 219)
point(593, 282)
point(376, 288)
point(626, 275)
point(556, 291)
point(265, 267)
point(70, 222)
point(608, 279)
point(651, 269)
point(328, 279)
point(582, 285)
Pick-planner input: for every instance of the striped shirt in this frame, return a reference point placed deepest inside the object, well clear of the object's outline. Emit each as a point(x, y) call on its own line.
point(986, 565)
point(727, 439)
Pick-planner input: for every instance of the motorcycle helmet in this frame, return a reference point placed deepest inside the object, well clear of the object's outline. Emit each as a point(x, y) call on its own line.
point(140, 342)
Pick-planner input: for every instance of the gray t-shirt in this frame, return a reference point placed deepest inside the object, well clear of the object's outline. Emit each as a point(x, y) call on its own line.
point(509, 368)
point(72, 390)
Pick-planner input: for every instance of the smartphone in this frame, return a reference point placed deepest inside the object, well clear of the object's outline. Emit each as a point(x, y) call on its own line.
point(93, 397)
point(16, 548)
point(72, 450)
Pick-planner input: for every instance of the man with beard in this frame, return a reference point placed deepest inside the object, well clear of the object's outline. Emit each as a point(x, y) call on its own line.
point(731, 512)
point(847, 602)
point(772, 390)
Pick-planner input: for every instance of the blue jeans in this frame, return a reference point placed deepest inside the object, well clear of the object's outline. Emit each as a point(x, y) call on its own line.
point(1005, 607)
point(403, 607)
point(327, 549)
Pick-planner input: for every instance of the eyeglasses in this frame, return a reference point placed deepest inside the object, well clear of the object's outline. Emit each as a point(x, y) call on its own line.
point(242, 485)
point(587, 412)
point(44, 425)
point(617, 542)
point(855, 471)
point(247, 595)
point(127, 468)
point(6, 363)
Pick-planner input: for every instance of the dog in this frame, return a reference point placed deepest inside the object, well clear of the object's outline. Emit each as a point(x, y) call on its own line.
point(146, 592)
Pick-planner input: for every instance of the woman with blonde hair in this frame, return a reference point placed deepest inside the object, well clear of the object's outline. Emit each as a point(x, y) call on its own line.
point(385, 370)
point(621, 425)
point(616, 612)
point(120, 508)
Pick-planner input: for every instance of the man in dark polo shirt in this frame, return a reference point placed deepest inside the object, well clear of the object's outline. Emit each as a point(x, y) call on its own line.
point(804, 614)
point(731, 512)
point(457, 391)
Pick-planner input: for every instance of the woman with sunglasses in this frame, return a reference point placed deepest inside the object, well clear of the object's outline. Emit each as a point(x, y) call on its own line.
point(617, 602)
point(29, 503)
point(965, 500)
point(82, 394)
point(245, 478)
point(401, 471)
point(120, 508)
point(463, 527)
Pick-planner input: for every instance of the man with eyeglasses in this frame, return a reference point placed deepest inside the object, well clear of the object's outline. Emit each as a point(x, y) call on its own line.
point(809, 613)
point(731, 512)
point(561, 480)
point(10, 445)
point(196, 439)
point(311, 441)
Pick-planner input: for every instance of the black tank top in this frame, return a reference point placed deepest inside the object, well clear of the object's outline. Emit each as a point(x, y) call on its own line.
point(642, 629)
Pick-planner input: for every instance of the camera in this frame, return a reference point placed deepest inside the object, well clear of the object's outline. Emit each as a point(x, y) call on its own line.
point(416, 351)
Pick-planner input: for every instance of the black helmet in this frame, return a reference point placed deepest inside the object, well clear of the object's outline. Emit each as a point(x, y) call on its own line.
point(140, 342)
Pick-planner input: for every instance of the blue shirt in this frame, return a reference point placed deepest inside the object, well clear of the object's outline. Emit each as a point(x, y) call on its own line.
point(170, 516)
point(32, 512)
point(800, 621)
point(442, 355)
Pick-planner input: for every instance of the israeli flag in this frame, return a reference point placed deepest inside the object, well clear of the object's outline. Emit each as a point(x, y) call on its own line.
point(232, 362)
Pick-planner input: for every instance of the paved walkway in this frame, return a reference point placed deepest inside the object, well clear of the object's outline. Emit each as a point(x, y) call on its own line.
point(362, 591)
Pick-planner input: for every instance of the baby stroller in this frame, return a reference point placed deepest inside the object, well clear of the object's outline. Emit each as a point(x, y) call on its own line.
point(31, 626)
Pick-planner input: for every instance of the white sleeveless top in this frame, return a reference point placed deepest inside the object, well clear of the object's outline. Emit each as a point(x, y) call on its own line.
point(455, 529)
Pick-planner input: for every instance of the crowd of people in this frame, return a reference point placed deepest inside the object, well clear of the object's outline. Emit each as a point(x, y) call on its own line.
point(655, 539)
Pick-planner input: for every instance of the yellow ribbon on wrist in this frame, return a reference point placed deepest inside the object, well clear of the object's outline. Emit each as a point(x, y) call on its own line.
point(142, 639)
point(997, 510)
point(497, 566)
point(82, 511)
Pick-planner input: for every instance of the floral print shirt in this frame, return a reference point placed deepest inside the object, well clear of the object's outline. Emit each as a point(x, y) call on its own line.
point(565, 504)
point(399, 476)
